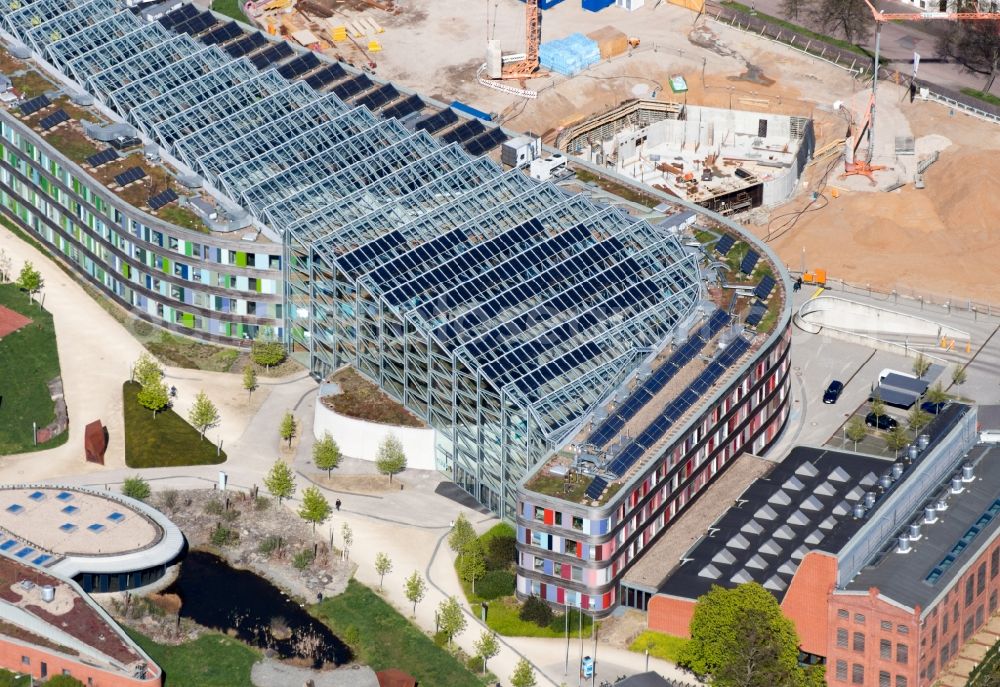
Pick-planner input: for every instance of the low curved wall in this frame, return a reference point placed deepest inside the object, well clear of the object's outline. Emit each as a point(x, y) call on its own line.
point(360, 438)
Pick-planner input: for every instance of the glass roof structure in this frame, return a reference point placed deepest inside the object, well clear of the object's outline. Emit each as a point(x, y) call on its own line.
point(499, 309)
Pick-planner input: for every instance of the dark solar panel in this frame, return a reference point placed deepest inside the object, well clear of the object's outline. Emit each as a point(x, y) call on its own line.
point(196, 24)
point(435, 122)
point(178, 16)
point(129, 175)
point(300, 65)
point(226, 32)
point(245, 45)
point(380, 97)
point(34, 105)
point(103, 157)
point(346, 89)
point(725, 244)
point(326, 75)
point(765, 287)
point(464, 132)
point(485, 142)
point(57, 117)
point(749, 262)
point(596, 488)
point(160, 199)
point(757, 311)
point(404, 107)
point(269, 56)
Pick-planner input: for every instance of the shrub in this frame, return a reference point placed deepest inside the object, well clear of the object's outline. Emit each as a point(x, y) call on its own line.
point(136, 487)
point(536, 611)
point(352, 636)
point(501, 553)
point(303, 559)
point(474, 664)
point(168, 499)
point(440, 638)
point(262, 503)
point(214, 507)
point(223, 536)
point(269, 545)
point(142, 328)
point(495, 584)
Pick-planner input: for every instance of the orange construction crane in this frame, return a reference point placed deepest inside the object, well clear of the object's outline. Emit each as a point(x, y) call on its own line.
point(532, 38)
point(864, 167)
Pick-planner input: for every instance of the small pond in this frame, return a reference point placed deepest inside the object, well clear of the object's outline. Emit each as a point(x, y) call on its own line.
point(216, 595)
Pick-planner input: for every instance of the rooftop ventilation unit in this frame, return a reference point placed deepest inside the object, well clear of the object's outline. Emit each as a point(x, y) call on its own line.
point(915, 531)
point(869, 500)
point(968, 473)
point(923, 440)
point(897, 471)
point(859, 511)
point(903, 546)
point(912, 452)
point(956, 485)
point(930, 515)
point(885, 481)
point(941, 505)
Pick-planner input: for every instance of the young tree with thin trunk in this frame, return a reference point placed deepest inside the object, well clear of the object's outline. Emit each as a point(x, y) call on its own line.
point(326, 453)
point(5, 267)
point(936, 395)
point(878, 407)
point(266, 352)
point(487, 647)
point(920, 365)
point(249, 381)
point(958, 375)
point(347, 536)
point(288, 428)
point(451, 619)
point(415, 589)
point(461, 534)
point(383, 566)
point(523, 675)
point(154, 396)
point(897, 439)
point(856, 430)
point(30, 280)
point(973, 44)
point(315, 508)
point(473, 563)
point(849, 18)
point(918, 419)
point(390, 459)
point(147, 370)
point(280, 482)
point(203, 415)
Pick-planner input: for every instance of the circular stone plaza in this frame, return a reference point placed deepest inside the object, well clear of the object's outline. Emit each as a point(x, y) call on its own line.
point(105, 542)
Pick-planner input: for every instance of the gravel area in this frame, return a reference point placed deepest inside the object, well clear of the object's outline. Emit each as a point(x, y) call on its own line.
point(270, 673)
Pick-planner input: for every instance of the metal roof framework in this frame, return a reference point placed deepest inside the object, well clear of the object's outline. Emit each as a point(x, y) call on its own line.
point(91, 60)
point(64, 50)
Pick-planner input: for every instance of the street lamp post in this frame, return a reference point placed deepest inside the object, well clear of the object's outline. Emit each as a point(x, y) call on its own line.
point(593, 631)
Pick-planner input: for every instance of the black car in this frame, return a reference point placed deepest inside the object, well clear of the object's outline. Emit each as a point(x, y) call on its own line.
point(833, 392)
point(883, 422)
point(932, 408)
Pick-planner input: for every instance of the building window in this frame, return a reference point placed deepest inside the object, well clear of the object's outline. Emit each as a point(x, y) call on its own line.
point(884, 679)
point(841, 638)
point(967, 629)
point(931, 670)
point(577, 523)
point(944, 655)
point(885, 649)
point(981, 578)
point(842, 613)
point(557, 516)
point(859, 641)
point(905, 630)
point(842, 670)
point(994, 562)
point(859, 618)
point(900, 681)
point(886, 625)
point(944, 623)
point(979, 616)
point(539, 514)
point(571, 547)
point(954, 645)
point(969, 591)
point(25, 661)
point(902, 654)
point(993, 601)
point(858, 674)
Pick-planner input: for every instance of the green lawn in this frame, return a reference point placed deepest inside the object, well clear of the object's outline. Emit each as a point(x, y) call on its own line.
point(28, 360)
point(212, 660)
point(801, 30)
point(660, 645)
point(230, 8)
point(166, 441)
point(985, 97)
point(382, 638)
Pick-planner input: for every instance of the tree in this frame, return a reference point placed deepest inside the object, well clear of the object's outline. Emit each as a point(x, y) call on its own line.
point(390, 458)
point(147, 370)
point(415, 589)
point(958, 375)
point(897, 439)
point(791, 9)
point(136, 487)
point(326, 453)
point(878, 407)
point(267, 352)
point(451, 619)
point(30, 280)
point(288, 427)
point(203, 414)
point(383, 566)
point(487, 646)
point(740, 637)
point(473, 563)
point(850, 18)
point(936, 394)
point(5, 267)
point(154, 396)
point(973, 44)
point(523, 675)
point(918, 419)
point(63, 681)
point(347, 536)
point(280, 481)
point(249, 381)
point(920, 365)
point(315, 508)
point(461, 534)
point(856, 430)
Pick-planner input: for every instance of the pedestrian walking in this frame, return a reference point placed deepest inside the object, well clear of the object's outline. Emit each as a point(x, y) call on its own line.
point(337, 504)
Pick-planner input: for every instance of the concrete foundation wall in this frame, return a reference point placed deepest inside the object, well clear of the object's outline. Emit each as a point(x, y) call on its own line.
point(831, 315)
point(361, 439)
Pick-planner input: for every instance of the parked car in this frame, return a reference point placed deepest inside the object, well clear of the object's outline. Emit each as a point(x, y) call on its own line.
point(833, 392)
point(883, 422)
point(932, 408)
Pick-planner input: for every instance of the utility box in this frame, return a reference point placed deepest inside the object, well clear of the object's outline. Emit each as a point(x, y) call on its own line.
point(494, 60)
point(543, 169)
point(519, 151)
point(630, 5)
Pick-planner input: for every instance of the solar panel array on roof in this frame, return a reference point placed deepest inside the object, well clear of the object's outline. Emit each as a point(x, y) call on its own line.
point(197, 24)
point(224, 33)
point(756, 313)
point(464, 132)
point(596, 488)
point(269, 56)
point(380, 97)
point(300, 65)
point(129, 175)
point(485, 142)
point(404, 107)
point(765, 287)
point(32, 106)
point(346, 89)
point(749, 262)
point(103, 157)
point(676, 409)
point(435, 122)
point(246, 45)
point(160, 199)
point(54, 119)
point(326, 75)
point(611, 426)
point(178, 16)
point(725, 244)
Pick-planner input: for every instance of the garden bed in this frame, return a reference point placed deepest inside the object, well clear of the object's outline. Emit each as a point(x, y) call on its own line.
point(164, 441)
point(363, 400)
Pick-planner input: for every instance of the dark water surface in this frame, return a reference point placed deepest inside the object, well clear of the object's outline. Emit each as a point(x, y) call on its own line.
point(216, 595)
